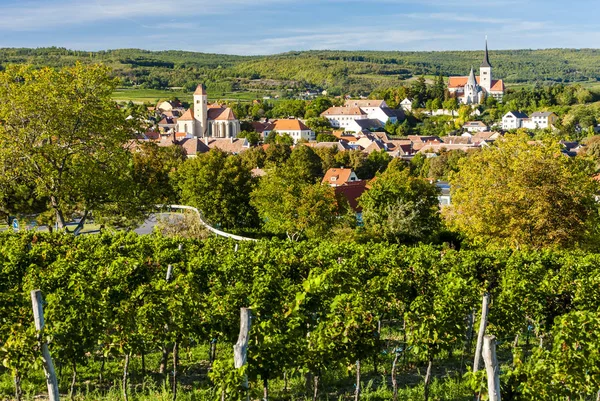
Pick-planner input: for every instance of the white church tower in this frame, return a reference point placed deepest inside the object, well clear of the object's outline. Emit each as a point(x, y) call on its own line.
point(472, 90)
point(485, 72)
point(200, 113)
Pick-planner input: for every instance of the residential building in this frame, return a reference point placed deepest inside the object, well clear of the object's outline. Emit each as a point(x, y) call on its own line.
point(336, 177)
point(473, 89)
point(406, 104)
point(204, 120)
point(475, 126)
point(343, 117)
point(350, 116)
point(292, 127)
point(540, 119)
point(513, 120)
point(194, 146)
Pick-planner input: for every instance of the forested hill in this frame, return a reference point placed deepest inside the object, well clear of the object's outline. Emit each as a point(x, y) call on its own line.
point(333, 70)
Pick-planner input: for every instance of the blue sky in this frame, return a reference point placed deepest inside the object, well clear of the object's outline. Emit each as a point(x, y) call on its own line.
point(273, 26)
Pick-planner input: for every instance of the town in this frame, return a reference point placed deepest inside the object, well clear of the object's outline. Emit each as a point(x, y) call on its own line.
point(235, 210)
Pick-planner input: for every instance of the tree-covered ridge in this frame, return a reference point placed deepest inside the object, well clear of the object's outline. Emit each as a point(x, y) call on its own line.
point(350, 71)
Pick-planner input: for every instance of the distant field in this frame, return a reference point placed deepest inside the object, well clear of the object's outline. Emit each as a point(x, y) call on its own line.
point(153, 95)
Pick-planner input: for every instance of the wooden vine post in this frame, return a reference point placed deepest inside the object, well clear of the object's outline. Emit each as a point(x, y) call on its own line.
point(240, 349)
point(38, 316)
point(491, 367)
point(485, 304)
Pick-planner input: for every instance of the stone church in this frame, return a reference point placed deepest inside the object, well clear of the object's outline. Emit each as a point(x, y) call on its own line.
point(474, 89)
point(204, 120)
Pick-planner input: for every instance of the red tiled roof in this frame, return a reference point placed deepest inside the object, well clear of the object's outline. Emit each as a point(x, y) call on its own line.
point(187, 116)
point(289, 125)
point(459, 82)
point(343, 111)
point(337, 176)
point(352, 192)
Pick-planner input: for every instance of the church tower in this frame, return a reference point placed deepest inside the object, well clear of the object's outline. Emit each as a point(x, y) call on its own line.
point(471, 90)
point(485, 72)
point(200, 113)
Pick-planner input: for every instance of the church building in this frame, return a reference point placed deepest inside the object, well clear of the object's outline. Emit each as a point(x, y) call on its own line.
point(474, 89)
point(203, 120)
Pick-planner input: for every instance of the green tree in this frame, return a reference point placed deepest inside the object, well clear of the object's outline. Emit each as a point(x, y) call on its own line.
point(520, 194)
point(318, 124)
point(306, 163)
point(317, 106)
point(289, 205)
point(219, 185)
point(400, 207)
point(253, 137)
point(62, 133)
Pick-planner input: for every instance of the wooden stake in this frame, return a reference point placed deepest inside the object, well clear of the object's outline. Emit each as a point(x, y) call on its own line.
point(491, 367)
point(482, 325)
point(240, 349)
point(394, 382)
point(38, 316)
point(357, 392)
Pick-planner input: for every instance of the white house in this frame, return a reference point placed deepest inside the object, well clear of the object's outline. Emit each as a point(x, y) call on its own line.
point(513, 120)
point(343, 117)
point(292, 127)
point(406, 104)
point(540, 119)
point(475, 126)
point(361, 109)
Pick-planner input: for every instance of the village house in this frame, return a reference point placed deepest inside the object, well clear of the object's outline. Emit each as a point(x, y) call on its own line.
point(295, 128)
point(362, 114)
point(336, 177)
point(540, 120)
point(475, 126)
point(513, 120)
point(194, 146)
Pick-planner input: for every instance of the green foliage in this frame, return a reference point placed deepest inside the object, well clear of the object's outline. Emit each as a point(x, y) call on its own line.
point(399, 207)
point(524, 195)
point(63, 138)
point(220, 186)
point(317, 308)
point(290, 203)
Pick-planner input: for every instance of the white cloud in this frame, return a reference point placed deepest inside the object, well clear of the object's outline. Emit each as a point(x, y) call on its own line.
point(39, 15)
point(337, 38)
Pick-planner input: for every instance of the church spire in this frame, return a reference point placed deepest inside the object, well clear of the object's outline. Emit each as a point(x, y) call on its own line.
point(471, 80)
point(486, 59)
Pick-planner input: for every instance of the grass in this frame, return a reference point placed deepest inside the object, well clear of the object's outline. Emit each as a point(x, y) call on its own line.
point(337, 382)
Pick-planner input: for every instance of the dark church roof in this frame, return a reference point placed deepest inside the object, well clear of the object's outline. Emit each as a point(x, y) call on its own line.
point(486, 59)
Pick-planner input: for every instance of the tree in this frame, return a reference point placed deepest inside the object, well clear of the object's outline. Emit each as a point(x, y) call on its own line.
point(520, 194)
point(277, 153)
point(317, 106)
point(289, 205)
point(152, 167)
point(399, 207)
point(325, 137)
point(318, 124)
point(450, 104)
point(254, 157)
point(252, 137)
point(62, 133)
point(306, 163)
point(219, 185)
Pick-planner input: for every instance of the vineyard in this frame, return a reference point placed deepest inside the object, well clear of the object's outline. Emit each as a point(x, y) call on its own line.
point(331, 320)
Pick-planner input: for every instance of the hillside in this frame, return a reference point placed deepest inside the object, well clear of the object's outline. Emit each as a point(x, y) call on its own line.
point(337, 71)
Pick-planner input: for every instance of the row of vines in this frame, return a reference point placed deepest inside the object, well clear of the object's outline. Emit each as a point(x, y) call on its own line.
point(316, 307)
